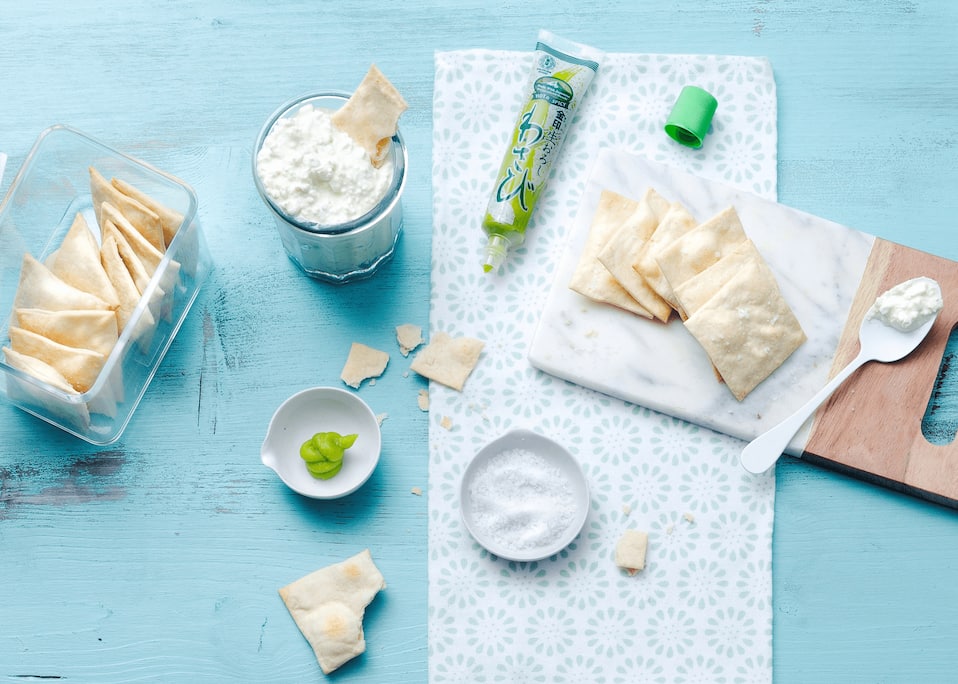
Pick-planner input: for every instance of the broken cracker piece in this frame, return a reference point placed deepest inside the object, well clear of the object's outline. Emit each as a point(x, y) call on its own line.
point(363, 363)
point(448, 360)
point(423, 400)
point(328, 606)
point(630, 551)
point(409, 336)
point(371, 115)
point(446, 422)
point(417, 491)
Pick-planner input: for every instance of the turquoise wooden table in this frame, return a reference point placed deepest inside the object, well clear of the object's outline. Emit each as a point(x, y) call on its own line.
point(158, 558)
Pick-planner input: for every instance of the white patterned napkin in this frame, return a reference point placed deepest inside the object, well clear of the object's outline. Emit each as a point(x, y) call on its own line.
point(701, 610)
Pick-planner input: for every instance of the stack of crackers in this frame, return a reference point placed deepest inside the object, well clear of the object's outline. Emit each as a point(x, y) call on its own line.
point(70, 310)
point(652, 257)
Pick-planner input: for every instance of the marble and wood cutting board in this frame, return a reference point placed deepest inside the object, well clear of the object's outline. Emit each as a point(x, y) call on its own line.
point(829, 274)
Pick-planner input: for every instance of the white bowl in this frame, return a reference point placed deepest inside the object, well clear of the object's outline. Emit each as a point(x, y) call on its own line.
point(322, 409)
point(556, 457)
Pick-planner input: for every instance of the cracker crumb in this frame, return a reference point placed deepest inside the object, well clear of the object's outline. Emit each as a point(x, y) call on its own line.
point(689, 518)
point(380, 417)
point(626, 509)
point(446, 422)
point(417, 491)
point(423, 400)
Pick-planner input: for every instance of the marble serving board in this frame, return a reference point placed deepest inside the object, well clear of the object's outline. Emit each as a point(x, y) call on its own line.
point(828, 273)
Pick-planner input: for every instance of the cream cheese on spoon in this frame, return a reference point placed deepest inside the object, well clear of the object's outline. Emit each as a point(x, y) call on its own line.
point(908, 305)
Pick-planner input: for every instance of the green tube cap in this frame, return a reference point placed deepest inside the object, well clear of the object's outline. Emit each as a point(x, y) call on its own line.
point(691, 116)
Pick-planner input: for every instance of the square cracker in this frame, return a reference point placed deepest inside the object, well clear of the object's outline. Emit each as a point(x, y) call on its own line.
point(747, 328)
point(625, 245)
point(676, 222)
point(697, 290)
point(591, 278)
point(699, 248)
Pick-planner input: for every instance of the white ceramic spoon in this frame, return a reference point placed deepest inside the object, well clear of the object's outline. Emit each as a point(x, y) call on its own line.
point(879, 342)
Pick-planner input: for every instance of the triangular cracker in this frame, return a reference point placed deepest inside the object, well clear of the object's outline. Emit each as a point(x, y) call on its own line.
point(125, 287)
point(74, 413)
point(148, 255)
point(80, 367)
point(144, 220)
point(86, 328)
point(170, 219)
point(39, 288)
point(77, 262)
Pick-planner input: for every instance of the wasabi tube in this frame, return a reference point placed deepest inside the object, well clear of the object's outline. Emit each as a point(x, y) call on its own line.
point(560, 77)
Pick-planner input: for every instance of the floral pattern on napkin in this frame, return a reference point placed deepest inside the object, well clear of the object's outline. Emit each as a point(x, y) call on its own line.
point(701, 609)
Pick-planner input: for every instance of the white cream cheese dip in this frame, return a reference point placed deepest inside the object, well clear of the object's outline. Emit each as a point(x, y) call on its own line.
point(908, 305)
point(317, 173)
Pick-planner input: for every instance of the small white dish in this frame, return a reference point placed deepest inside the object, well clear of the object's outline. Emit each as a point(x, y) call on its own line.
point(558, 458)
point(322, 409)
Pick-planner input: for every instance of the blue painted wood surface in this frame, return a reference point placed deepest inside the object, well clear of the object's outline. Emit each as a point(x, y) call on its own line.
point(158, 558)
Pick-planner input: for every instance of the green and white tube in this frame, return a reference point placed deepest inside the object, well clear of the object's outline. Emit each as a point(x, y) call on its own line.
point(560, 78)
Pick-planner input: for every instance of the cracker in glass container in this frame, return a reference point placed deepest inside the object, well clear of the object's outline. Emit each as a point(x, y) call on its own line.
point(80, 367)
point(40, 288)
point(88, 328)
point(170, 219)
point(146, 221)
point(77, 262)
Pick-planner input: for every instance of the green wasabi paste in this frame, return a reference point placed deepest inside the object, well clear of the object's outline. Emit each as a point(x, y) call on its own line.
point(323, 453)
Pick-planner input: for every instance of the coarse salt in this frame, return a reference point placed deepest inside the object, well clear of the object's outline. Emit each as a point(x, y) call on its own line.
point(520, 501)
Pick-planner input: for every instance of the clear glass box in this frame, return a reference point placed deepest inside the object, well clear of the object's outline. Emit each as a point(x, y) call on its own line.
point(51, 187)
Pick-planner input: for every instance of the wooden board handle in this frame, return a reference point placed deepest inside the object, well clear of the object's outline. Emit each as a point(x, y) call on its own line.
point(871, 427)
